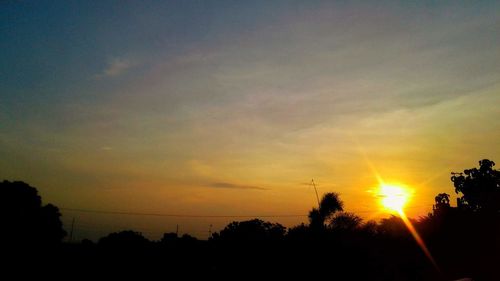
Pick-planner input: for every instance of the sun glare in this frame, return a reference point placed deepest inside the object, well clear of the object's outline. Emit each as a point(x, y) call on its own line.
point(394, 197)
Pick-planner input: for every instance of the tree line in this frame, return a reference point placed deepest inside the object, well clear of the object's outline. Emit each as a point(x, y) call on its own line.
point(464, 241)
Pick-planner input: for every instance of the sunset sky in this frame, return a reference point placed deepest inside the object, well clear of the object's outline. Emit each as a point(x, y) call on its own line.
point(232, 107)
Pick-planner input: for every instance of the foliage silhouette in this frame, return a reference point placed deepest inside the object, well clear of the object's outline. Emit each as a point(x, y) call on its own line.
point(441, 204)
point(24, 219)
point(393, 226)
point(126, 238)
point(480, 187)
point(169, 238)
point(345, 221)
point(330, 204)
point(442, 199)
point(251, 230)
point(369, 228)
point(464, 241)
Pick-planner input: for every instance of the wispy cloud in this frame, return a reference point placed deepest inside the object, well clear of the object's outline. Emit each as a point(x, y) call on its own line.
point(235, 186)
point(116, 67)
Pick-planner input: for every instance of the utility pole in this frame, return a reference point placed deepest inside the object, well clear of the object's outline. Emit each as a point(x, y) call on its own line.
point(177, 231)
point(315, 190)
point(210, 231)
point(71, 232)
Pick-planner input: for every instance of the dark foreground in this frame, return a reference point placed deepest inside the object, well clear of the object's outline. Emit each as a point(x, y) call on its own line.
point(468, 249)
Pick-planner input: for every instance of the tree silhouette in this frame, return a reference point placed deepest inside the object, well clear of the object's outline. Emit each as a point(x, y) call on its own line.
point(442, 199)
point(345, 221)
point(24, 219)
point(251, 230)
point(126, 238)
point(369, 228)
point(480, 187)
point(393, 227)
point(169, 238)
point(329, 204)
point(441, 203)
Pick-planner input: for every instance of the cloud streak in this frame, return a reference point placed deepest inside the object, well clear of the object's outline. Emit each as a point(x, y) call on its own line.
point(235, 186)
point(116, 67)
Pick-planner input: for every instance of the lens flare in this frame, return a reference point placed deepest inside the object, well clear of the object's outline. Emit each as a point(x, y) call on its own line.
point(418, 239)
point(394, 197)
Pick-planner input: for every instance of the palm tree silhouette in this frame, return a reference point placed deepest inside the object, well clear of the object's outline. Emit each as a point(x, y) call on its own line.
point(330, 204)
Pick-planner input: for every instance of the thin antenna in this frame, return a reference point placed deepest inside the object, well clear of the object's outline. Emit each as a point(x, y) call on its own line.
point(71, 232)
point(315, 190)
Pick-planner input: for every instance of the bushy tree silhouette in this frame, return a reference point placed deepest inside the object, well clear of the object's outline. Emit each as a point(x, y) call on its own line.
point(442, 199)
point(126, 238)
point(441, 204)
point(393, 227)
point(251, 230)
point(169, 238)
point(369, 228)
point(480, 187)
point(345, 221)
point(24, 219)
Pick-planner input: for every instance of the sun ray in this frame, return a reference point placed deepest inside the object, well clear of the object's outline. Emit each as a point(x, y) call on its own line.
point(418, 239)
point(394, 198)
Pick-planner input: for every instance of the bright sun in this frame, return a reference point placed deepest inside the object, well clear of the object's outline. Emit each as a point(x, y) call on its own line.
point(394, 197)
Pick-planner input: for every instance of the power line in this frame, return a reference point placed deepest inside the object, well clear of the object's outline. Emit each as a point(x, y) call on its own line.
point(176, 215)
point(405, 208)
point(205, 216)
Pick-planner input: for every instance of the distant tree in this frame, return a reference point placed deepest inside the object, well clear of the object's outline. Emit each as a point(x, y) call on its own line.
point(169, 238)
point(126, 238)
point(442, 199)
point(393, 226)
point(299, 232)
point(480, 187)
point(23, 217)
point(87, 242)
point(329, 205)
point(251, 230)
point(186, 238)
point(345, 221)
point(441, 203)
point(369, 228)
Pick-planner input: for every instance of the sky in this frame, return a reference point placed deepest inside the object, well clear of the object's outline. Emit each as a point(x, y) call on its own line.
point(230, 108)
